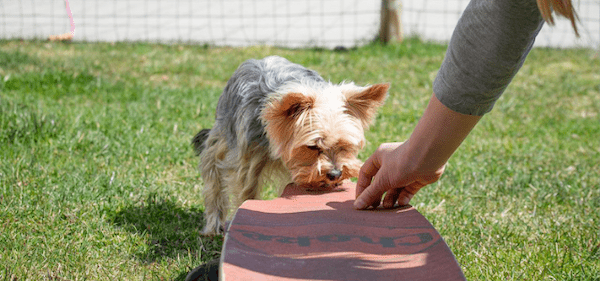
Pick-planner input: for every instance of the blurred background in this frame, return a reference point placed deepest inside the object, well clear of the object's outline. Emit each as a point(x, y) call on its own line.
point(295, 24)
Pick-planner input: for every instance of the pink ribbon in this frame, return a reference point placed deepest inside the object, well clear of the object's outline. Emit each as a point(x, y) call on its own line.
point(70, 18)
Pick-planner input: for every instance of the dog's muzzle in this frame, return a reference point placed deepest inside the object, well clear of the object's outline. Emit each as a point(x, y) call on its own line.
point(334, 174)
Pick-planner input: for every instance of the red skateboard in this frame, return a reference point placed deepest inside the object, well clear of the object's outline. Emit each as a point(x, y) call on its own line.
point(308, 235)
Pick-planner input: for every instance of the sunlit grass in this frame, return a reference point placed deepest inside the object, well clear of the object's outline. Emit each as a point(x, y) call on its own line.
point(98, 180)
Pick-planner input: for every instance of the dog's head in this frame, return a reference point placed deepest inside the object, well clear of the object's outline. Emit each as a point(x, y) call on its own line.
point(318, 131)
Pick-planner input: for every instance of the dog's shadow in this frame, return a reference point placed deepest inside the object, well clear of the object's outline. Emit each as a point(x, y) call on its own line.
point(168, 229)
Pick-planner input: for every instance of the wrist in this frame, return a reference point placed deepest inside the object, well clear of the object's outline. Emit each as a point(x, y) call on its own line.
point(439, 132)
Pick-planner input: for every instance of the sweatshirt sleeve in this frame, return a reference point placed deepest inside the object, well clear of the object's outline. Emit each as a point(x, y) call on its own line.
point(486, 50)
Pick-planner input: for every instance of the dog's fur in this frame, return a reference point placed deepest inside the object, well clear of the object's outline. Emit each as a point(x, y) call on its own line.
point(277, 117)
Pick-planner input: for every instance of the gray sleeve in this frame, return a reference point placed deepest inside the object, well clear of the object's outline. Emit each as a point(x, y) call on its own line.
point(488, 47)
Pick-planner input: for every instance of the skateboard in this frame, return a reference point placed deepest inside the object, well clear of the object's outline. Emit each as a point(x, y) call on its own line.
point(318, 235)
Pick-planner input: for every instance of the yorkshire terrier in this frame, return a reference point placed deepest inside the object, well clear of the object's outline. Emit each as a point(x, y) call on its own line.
point(274, 118)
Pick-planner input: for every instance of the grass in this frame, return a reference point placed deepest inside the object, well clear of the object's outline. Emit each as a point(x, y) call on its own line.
point(98, 180)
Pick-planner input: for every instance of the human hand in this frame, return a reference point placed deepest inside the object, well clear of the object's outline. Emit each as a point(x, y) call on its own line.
point(402, 169)
point(393, 169)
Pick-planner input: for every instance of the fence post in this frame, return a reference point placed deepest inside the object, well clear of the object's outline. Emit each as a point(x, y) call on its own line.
point(390, 27)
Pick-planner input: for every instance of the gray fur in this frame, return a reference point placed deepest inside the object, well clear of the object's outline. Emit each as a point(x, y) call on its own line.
point(199, 139)
point(235, 151)
point(248, 90)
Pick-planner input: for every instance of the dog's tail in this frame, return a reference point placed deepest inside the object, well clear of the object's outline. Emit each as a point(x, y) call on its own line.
point(199, 140)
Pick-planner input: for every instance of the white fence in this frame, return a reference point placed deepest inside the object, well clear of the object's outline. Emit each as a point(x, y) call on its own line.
point(307, 23)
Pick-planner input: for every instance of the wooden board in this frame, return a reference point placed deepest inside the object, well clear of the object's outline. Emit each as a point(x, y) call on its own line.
point(320, 236)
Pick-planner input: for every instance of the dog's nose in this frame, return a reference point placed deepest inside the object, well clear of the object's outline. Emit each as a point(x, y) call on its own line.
point(334, 174)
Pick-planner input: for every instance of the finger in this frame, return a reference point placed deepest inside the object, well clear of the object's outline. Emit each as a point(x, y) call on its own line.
point(390, 198)
point(366, 173)
point(370, 196)
point(376, 202)
point(408, 193)
point(404, 198)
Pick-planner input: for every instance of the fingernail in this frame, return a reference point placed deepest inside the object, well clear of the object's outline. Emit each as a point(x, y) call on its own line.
point(359, 204)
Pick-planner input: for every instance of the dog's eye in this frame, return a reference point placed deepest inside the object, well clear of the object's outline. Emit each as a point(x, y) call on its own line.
point(314, 148)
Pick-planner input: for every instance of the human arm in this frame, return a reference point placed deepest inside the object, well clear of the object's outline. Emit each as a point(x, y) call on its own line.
point(401, 169)
point(488, 46)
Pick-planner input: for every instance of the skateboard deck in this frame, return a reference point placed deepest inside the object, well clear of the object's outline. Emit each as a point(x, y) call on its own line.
point(311, 235)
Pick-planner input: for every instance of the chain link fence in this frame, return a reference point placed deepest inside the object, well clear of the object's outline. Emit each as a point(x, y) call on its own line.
point(308, 23)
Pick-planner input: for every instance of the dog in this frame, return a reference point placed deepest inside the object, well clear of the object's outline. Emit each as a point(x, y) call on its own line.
point(279, 120)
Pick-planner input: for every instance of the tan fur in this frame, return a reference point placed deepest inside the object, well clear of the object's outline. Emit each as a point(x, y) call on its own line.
point(314, 134)
point(212, 162)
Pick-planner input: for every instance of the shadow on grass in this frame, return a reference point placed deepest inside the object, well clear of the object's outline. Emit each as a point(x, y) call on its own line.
point(172, 231)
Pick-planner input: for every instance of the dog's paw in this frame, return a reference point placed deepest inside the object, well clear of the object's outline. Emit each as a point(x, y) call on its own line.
point(214, 226)
point(211, 231)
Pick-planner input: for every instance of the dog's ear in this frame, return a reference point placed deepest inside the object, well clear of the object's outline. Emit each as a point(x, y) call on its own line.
point(294, 103)
point(290, 105)
point(363, 103)
point(279, 116)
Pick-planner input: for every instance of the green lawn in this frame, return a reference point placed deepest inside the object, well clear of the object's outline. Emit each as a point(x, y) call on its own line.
point(98, 180)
